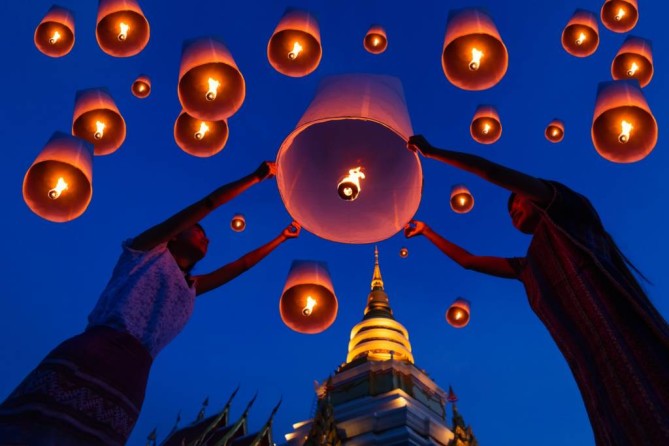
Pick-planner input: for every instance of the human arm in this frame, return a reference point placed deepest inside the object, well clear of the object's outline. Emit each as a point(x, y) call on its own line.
point(224, 274)
point(189, 216)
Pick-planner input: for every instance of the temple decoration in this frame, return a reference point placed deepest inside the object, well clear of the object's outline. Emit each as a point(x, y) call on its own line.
point(54, 36)
point(200, 138)
point(462, 200)
point(620, 16)
point(458, 313)
point(486, 127)
point(295, 46)
point(122, 29)
point(141, 87)
point(555, 131)
point(580, 37)
point(376, 41)
point(634, 61)
point(97, 120)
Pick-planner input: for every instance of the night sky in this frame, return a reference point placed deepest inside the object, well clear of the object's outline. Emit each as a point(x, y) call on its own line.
point(513, 384)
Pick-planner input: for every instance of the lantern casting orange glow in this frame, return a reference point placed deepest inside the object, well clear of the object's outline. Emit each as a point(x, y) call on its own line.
point(555, 131)
point(122, 29)
point(620, 16)
point(486, 128)
point(54, 36)
point(58, 185)
point(376, 41)
point(349, 187)
point(200, 138)
point(295, 46)
point(404, 252)
point(474, 56)
point(634, 61)
point(238, 223)
point(624, 129)
point(580, 37)
point(462, 200)
point(141, 88)
point(97, 120)
point(308, 303)
point(211, 87)
point(458, 313)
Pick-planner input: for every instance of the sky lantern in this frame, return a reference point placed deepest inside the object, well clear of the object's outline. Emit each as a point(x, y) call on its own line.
point(474, 56)
point(211, 87)
point(376, 40)
point(97, 120)
point(141, 87)
point(620, 16)
point(580, 37)
point(54, 36)
point(122, 29)
point(345, 173)
point(200, 138)
point(308, 303)
point(624, 129)
point(238, 223)
point(462, 200)
point(555, 131)
point(404, 252)
point(458, 313)
point(486, 127)
point(59, 185)
point(634, 61)
point(295, 46)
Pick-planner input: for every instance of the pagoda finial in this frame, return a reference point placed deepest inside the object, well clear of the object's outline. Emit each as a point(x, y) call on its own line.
point(377, 281)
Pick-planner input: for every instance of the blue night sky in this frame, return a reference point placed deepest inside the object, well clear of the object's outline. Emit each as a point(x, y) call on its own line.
point(513, 384)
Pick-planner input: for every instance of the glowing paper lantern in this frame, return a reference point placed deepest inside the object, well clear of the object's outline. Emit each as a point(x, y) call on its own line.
point(634, 61)
point(555, 131)
point(295, 47)
point(97, 120)
point(54, 36)
point(141, 88)
point(211, 87)
point(200, 138)
point(458, 313)
point(580, 37)
point(624, 129)
point(238, 223)
point(122, 29)
point(474, 56)
point(376, 40)
point(404, 252)
point(486, 127)
point(59, 185)
point(355, 121)
point(308, 303)
point(462, 200)
point(620, 16)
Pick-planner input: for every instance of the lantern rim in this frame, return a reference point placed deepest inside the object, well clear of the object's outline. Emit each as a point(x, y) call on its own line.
point(622, 61)
point(192, 96)
point(324, 315)
point(640, 145)
point(67, 38)
point(113, 138)
point(625, 24)
point(489, 74)
point(276, 51)
point(215, 143)
point(107, 38)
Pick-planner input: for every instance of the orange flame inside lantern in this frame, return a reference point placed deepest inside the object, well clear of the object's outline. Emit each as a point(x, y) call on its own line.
point(204, 128)
point(141, 87)
point(55, 38)
point(624, 135)
point(349, 187)
point(56, 191)
point(200, 138)
point(404, 253)
point(122, 29)
point(295, 46)
point(99, 130)
point(581, 38)
point(309, 307)
point(238, 223)
point(97, 120)
point(375, 40)
point(634, 60)
point(486, 127)
point(123, 35)
point(621, 13)
point(633, 69)
point(475, 63)
point(462, 200)
point(458, 314)
point(213, 89)
point(297, 49)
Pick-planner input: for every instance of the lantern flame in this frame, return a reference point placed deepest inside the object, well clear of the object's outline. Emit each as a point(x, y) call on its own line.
point(625, 134)
point(99, 130)
point(633, 69)
point(581, 39)
point(55, 38)
point(213, 89)
point(459, 315)
point(376, 41)
point(297, 49)
point(56, 191)
point(475, 63)
point(486, 128)
point(462, 200)
point(124, 32)
point(349, 187)
point(309, 308)
point(204, 128)
point(621, 13)
point(555, 132)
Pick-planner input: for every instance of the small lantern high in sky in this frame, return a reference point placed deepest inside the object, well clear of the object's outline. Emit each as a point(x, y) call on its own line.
point(462, 200)
point(308, 303)
point(200, 138)
point(141, 87)
point(295, 46)
point(458, 314)
point(238, 223)
point(624, 129)
point(97, 120)
point(620, 16)
point(555, 131)
point(211, 87)
point(486, 128)
point(376, 40)
point(474, 56)
point(634, 61)
point(54, 36)
point(580, 37)
point(58, 185)
point(122, 29)
point(404, 252)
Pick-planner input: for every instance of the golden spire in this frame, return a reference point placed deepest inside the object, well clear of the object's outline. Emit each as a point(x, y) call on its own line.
point(377, 281)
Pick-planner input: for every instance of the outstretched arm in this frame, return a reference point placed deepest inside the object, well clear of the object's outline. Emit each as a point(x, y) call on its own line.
point(494, 266)
point(189, 216)
point(221, 276)
point(510, 179)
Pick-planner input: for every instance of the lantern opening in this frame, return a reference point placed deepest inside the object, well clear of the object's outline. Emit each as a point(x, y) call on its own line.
point(375, 40)
point(619, 15)
point(200, 138)
point(122, 29)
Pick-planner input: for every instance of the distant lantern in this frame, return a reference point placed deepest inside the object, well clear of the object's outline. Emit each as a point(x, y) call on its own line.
point(624, 129)
point(474, 56)
point(458, 313)
point(404, 252)
point(356, 123)
point(97, 120)
point(122, 29)
point(376, 40)
point(580, 37)
point(486, 127)
point(308, 303)
point(620, 16)
point(54, 35)
point(238, 223)
point(141, 88)
point(634, 61)
point(211, 87)
point(200, 138)
point(295, 46)
point(59, 185)
point(555, 131)
point(462, 200)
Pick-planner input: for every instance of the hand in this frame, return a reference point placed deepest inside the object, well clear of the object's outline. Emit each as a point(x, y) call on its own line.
point(292, 231)
point(419, 143)
point(267, 169)
point(414, 228)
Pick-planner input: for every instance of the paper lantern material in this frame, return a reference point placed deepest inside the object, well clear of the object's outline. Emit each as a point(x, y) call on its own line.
point(486, 127)
point(54, 36)
point(458, 314)
point(295, 46)
point(634, 61)
point(462, 200)
point(555, 131)
point(620, 16)
point(200, 138)
point(109, 32)
point(141, 87)
point(376, 41)
point(583, 28)
point(93, 106)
